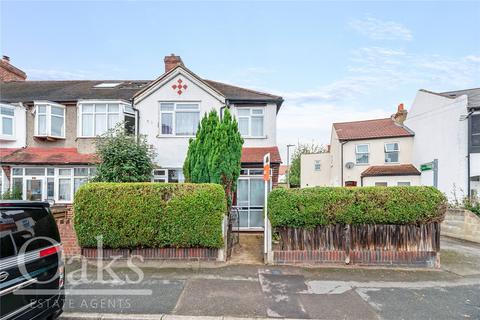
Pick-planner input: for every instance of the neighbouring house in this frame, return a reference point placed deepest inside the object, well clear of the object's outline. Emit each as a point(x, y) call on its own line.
point(374, 152)
point(169, 111)
point(282, 174)
point(447, 128)
point(47, 147)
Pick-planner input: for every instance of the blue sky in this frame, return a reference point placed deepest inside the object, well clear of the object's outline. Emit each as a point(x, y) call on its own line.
point(331, 61)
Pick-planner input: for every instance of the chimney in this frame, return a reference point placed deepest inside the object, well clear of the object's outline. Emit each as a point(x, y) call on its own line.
point(401, 114)
point(9, 72)
point(172, 61)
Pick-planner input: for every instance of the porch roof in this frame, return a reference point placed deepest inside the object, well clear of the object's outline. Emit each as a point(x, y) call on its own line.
point(255, 154)
point(52, 156)
point(391, 170)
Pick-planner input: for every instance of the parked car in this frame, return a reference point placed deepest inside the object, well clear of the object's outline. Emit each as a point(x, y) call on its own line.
point(31, 262)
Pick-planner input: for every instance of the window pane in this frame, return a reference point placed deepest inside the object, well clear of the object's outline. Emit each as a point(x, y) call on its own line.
point(7, 111)
point(64, 192)
point(166, 106)
point(93, 171)
point(34, 171)
point(100, 124)
point(50, 171)
point(391, 147)
point(130, 124)
point(50, 189)
point(317, 165)
point(87, 125)
point(362, 158)
point(113, 119)
point(58, 111)
point(243, 112)
point(7, 126)
point(34, 190)
point(100, 108)
point(18, 186)
point(185, 106)
point(242, 192)
point(403, 184)
point(113, 108)
point(476, 140)
point(257, 111)
point(243, 126)
point(64, 172)
point(186, 123)
point(380, 184)
point(391, 157)
point(167, 122)
point(87, 108)
point(80, 172)
point(42, 109)
point(257, 192)
point(475, 123)
point(172, 176)
point(57, 126)
point(256, 218)
point(362, 148)
point(257, 126)
point(42, 124)
point(17, 171)
point(78, 182)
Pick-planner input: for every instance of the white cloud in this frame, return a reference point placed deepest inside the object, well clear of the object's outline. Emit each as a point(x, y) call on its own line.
point(381, 30)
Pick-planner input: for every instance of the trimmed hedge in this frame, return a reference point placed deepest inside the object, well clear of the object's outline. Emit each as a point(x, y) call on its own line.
point(152, 215)
point(311, 207)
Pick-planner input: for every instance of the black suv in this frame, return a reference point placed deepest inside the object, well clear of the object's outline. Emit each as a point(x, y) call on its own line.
point(31, 262)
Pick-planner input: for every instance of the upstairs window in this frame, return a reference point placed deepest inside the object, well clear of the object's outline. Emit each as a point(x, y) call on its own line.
point(180, 119)
point(7, 114)
point(391, 152)
point(475, 133)
point(49, 120)
point(362, 153)
point(98, 117)
point(317, 165)
point(250, 122)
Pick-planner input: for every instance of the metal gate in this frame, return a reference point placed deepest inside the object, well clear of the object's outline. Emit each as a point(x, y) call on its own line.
point(233, 236)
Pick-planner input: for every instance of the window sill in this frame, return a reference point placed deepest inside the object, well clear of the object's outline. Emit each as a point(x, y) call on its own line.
point(252, 137)
point(173, 136)
point(8, 138)
point(49, 138)
point(362, 164)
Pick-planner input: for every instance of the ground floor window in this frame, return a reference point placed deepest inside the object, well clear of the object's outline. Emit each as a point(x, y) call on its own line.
point(57, 184)
point(404, 184)
point(250, 198)
point(171, 175)
point(380, 184)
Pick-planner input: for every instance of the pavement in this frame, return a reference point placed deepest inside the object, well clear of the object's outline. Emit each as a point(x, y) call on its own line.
point(259, 291)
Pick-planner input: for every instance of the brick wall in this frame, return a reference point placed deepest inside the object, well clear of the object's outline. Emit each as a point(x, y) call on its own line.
point(64, 218)
point(9, 72)
point(461, 224)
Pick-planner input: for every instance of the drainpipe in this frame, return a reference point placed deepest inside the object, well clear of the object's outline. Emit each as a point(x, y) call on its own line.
point(227, 105)
point(341, 153)
point(137, 120)
point(469, 150)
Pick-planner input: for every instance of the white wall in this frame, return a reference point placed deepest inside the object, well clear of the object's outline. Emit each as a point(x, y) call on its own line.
point(440, 134)
point(171, 150)
point(391, 181)
point(309, 177)
point(19, 129)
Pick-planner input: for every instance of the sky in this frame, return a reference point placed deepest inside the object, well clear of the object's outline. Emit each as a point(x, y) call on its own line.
point(330, 61)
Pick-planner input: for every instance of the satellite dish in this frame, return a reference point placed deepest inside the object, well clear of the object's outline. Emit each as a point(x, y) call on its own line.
point(349, 165)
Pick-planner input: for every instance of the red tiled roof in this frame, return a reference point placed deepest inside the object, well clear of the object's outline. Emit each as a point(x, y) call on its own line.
point(391, 170)
point(371, 129)
point(33, 155)
point(4, 152)
point(255, 154)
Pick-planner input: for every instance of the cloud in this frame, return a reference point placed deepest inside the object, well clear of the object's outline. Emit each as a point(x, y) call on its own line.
point(381, 30)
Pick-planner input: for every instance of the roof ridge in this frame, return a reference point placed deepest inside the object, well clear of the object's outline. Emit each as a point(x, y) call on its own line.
point(368, 120)
point(246, 89)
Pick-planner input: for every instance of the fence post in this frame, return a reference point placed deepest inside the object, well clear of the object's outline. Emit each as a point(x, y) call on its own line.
point(348, 241)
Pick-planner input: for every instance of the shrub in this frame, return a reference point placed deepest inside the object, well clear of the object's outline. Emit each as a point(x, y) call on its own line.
point(130, 215)
point(366, 205)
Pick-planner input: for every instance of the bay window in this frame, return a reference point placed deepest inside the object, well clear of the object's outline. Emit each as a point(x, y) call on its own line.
point(250, 121)
point(180, 119)
point(7, 115)
point(97, 117)
point(391, 152)
point(49, 120)
point(362, 153)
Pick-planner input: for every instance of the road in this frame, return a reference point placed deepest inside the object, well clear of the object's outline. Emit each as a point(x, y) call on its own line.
point(289, 292)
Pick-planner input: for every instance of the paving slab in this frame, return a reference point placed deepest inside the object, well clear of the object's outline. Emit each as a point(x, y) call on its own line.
point(222, 297)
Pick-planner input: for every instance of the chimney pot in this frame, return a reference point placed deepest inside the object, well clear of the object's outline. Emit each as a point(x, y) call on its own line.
point(172, 61)
point(401, 107)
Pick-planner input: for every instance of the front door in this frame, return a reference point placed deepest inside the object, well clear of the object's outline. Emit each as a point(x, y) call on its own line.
point(250, 202)
point(34, 189)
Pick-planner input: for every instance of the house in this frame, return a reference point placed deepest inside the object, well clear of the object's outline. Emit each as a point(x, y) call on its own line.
point(169, 111)
point(447, 128)
point(282, 174)
point(374, 152)
point(47, 149)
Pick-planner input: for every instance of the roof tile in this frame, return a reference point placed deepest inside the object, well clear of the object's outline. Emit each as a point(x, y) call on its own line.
point(391, 170)
point(34, 155)
point(371, 129)
point(255, 154)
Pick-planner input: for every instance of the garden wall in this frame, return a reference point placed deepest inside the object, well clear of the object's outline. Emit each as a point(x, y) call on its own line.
point(394, 226)
point(461, 224)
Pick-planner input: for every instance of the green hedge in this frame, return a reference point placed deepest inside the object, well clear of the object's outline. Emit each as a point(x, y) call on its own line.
point(130, 215)
point(310, 207)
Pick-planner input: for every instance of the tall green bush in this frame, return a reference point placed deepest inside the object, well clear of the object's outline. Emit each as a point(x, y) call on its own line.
point(310, 207)
point(130, 215)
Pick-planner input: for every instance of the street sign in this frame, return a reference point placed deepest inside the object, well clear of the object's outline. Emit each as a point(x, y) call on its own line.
point(426, 166)
point(266, 167)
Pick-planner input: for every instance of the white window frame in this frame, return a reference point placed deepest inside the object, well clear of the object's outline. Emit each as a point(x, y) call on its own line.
point(174, 116)
point(158, 177)
point(317, 165)
point(48, 118)
point(249, 117)
point(404, 183)
point(383, 184)
point(357, 153)
point(7, 136)
point(386, 152)
point(123, 110)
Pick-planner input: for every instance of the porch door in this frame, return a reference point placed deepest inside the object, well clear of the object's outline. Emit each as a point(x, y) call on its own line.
point(34, 189)
point(250, 202)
